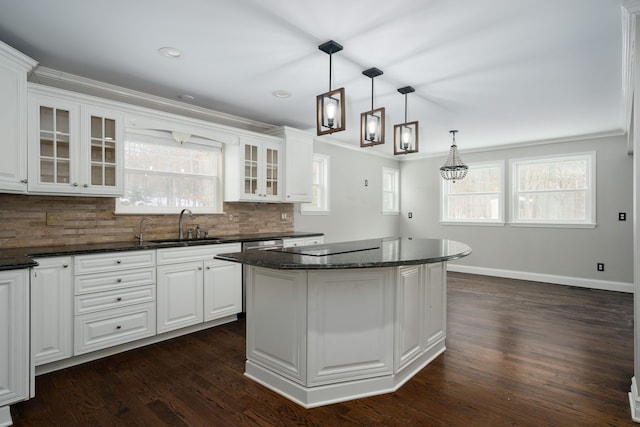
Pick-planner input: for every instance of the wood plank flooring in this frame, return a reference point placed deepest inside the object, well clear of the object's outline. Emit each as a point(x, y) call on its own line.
point(518, 354)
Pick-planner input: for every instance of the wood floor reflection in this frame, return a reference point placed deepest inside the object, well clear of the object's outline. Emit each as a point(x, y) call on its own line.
point(518, 353)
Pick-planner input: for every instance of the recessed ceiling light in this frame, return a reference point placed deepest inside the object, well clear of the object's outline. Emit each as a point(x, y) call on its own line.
point(282, 94)
point(186, 97)
point(169, 52)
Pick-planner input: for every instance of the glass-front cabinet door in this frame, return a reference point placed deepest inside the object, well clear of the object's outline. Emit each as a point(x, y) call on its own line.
point(103, 140)
point(272, 171)
point(251, 169)
point(53, 159)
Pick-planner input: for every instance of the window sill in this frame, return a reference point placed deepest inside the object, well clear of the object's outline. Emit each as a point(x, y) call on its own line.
point(474, 223)
point(551, 225)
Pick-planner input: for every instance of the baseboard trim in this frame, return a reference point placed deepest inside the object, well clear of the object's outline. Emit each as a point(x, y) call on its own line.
point(547, 278)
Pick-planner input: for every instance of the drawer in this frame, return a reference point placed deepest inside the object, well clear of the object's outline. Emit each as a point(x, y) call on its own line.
point(98, 301)
point(194, 253)
point(291, 242)
point(94, 331)
point(114, 280)
point(100, 263)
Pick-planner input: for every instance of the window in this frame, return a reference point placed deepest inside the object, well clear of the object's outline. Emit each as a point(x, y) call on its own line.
point(320, 191)
point(478, 198)
point(162, 176)
point(554, 190)
point(390, 191)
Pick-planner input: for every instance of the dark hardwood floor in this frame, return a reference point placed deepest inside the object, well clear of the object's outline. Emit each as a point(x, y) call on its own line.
point(518, 354)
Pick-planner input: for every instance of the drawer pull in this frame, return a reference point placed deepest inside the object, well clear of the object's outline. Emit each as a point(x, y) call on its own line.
point(119, 280)
point(119, 299)
point(65, 265)
point(118, 327)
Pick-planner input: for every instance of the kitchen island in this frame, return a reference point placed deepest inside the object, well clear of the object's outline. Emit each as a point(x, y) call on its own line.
point(335, 322)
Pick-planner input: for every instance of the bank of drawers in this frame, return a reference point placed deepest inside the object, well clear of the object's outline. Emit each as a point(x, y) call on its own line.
point(114, 299)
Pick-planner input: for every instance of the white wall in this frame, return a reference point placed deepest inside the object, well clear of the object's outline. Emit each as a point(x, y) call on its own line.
point(556, 252)
point(355, 210)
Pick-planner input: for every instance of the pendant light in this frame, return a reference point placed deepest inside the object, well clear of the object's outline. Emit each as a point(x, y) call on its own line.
point(454, 169)
point(405, 135)
point(330, 115)
point(372, 121)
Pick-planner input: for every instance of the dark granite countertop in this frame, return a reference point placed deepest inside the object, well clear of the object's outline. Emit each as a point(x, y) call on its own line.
point(18, 258)
point(381, 252)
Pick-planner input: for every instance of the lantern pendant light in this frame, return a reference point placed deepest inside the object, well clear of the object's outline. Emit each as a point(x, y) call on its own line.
point(372, 121)
point(405, 135)
point(454, 169)
point(330, 114)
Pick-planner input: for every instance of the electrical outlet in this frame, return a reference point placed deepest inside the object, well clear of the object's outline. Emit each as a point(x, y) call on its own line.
point(54, 218)
point(622, 216)
point(600, 266)
point(410, 215)
point(283, 215)
point(366, 182)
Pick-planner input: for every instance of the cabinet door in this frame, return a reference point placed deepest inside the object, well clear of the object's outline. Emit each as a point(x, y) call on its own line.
point(298, 168)
point(179, 296)
point(251, 158)
point(222, 289)
point(51, 310)
point(13, 119)
point(102, 141)
point(14, 336)
point(53, 145)
point(409, 322)
point(272, 172)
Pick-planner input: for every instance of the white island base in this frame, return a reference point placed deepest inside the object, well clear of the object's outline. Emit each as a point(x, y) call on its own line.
point(324, 336)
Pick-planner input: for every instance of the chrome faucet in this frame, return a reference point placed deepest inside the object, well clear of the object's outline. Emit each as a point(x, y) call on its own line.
point(180, 231)
point(139, 236)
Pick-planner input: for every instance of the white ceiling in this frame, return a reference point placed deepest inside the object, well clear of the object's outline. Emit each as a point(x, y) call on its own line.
point(500, 71)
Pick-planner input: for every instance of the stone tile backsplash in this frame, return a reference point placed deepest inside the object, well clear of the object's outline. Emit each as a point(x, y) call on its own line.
point(59, 220)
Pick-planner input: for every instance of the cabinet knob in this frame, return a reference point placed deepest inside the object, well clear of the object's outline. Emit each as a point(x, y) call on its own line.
point(75, 184)
point(199, 268)
point(118, 327)
point(86, 185)
point(118, 262)
point(119, 280)
point(119, 299)
point(208, 268)
point(65, 265)
point(24, 181)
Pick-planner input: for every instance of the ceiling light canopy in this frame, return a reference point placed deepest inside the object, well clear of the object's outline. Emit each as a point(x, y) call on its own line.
point(454, 169)
point(405, 135)
point(330, 114)
point(372, 121)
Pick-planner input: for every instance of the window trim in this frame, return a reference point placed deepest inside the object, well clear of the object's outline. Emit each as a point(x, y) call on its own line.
point(501, 221)
point(396, 191)
point(324, 209)
point(165, 138)
point(590, 222)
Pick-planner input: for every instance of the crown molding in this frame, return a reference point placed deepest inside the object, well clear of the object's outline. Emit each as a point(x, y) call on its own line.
point(17, 57)
point(50, 77)
point(633, 6)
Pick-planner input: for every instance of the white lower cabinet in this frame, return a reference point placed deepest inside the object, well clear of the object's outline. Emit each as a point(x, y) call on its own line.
point(180, 295)
point(51, 310)
point(115, 299)
point(14, 338)
point(193, 287)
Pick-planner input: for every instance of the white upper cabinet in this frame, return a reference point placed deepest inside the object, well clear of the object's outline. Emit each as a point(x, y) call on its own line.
point(298, 160)
point(253, 170)
point(14, 67)
point(75, 147)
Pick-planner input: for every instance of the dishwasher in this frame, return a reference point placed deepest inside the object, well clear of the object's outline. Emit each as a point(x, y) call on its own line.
point(255, 245)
